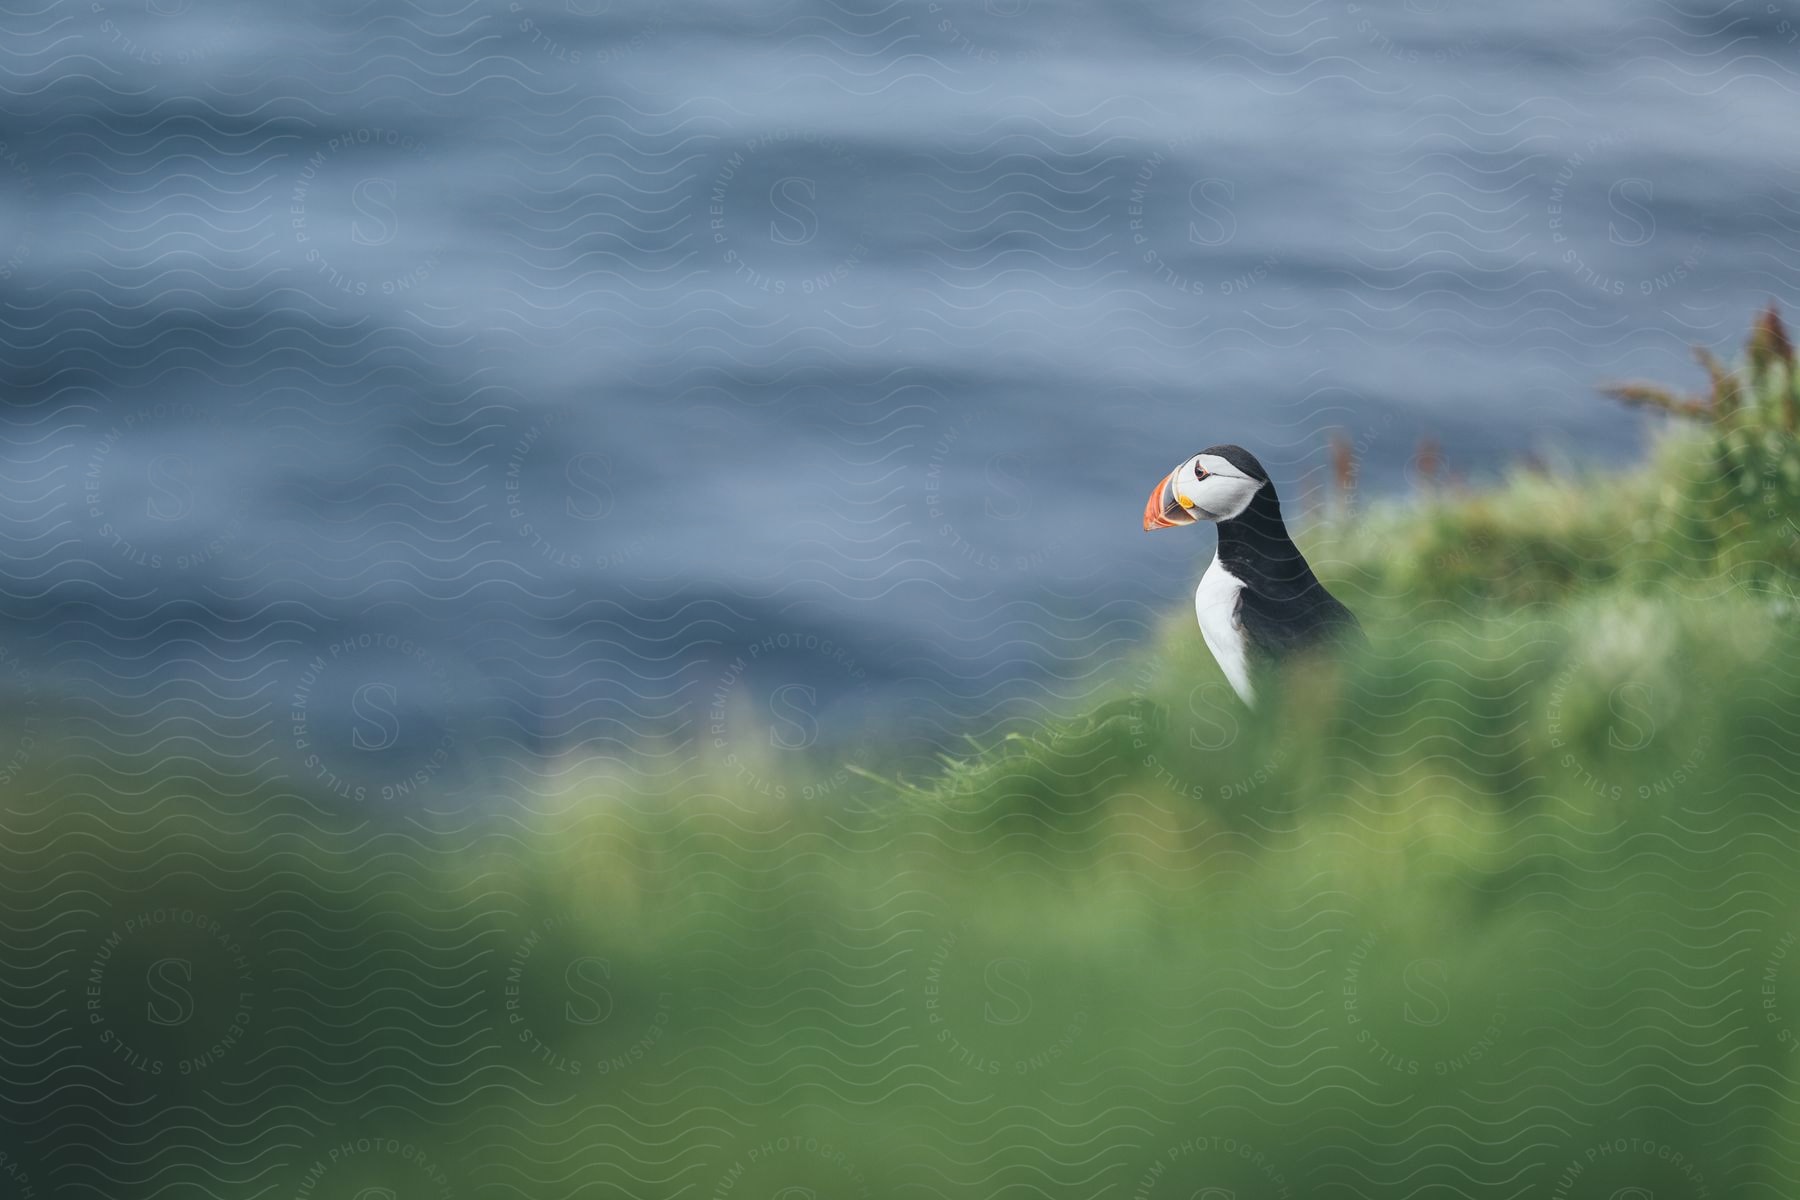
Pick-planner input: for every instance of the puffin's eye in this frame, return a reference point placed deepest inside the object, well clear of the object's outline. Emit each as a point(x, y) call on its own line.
point(1200, 472)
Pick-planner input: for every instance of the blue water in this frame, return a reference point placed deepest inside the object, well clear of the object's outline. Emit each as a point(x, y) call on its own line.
point(399, 395)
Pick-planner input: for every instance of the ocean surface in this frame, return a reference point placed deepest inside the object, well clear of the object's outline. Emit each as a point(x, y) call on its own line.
point(411, 397)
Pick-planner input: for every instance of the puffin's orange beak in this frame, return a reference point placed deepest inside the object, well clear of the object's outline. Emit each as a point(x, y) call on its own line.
point(1163, 510)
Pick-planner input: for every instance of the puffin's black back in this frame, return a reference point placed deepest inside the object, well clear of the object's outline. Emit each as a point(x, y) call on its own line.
point(1283, 607)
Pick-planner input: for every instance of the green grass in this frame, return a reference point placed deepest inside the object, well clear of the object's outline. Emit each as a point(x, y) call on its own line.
point(1504, 907)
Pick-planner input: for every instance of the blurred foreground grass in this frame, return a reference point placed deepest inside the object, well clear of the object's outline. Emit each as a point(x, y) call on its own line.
point(1505, 908)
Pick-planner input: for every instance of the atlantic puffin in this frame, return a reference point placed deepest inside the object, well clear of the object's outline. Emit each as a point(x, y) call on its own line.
point(1258, 602)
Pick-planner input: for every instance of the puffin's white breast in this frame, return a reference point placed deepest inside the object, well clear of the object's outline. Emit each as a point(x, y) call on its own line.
point(1215, 603)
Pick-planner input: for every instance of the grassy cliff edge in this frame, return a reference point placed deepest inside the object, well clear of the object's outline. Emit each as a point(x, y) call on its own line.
point(1504, 907)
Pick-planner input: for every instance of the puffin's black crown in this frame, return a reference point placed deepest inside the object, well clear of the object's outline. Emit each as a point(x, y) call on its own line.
point(1240, 458)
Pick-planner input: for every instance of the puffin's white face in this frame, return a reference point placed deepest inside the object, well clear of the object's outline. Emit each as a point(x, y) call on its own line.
point(1204, 488)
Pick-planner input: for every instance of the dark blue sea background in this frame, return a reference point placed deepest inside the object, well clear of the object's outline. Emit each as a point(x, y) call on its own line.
point(418, 399)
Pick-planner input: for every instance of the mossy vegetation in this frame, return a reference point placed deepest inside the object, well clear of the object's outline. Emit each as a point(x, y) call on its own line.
point(1505, 906)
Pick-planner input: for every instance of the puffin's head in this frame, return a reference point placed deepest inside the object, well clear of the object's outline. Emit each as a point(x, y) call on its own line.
point(1216, 484)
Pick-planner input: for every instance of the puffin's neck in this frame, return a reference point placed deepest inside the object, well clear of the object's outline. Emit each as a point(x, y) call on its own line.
point(1255, 546)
